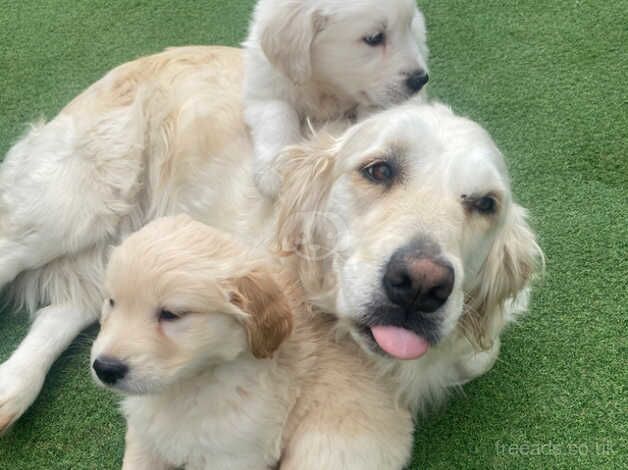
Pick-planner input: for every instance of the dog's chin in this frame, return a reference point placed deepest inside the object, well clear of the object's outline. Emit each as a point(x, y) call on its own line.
point(386, 330)
point(392, 96)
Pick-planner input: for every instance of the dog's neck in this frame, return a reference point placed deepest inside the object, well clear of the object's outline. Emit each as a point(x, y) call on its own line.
point(241, 373)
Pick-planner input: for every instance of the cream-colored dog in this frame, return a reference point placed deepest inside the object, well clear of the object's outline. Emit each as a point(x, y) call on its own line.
point(196, 333)
point(402, 228)
point(189, 333)
point(320, 60)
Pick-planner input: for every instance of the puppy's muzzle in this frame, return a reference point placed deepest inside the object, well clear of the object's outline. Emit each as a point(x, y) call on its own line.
point(418, 281)
point(110, 370)
point(417, 80)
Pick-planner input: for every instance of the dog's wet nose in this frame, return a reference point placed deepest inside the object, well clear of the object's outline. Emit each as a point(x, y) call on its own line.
point(417, 80)
point(417, 282)
point(110, 370)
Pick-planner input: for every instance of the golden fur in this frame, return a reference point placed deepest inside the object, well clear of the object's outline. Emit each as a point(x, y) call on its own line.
point(165, 135)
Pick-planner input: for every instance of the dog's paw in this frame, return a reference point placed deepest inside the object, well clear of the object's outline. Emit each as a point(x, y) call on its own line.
point(18, 389)
point(476, 364)
point(268, 181)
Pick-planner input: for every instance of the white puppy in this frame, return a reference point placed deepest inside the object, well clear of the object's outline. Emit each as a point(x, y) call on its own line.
point(317, 60)
point(189, 328)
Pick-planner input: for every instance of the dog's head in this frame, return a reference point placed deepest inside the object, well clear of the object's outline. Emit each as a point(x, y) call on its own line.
point(406, 229)
point(371, 52)
point(183, 297)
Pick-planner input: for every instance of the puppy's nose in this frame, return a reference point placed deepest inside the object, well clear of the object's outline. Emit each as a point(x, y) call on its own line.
point(417, 80)
point(418, 282)
point(109, 370)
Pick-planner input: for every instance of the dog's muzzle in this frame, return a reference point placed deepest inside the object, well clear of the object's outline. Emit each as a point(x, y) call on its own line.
point(417, 80)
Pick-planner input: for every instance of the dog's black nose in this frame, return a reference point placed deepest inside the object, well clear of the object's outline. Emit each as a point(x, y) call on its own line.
point(418, 282)
point(110, 370)
point(417, 80)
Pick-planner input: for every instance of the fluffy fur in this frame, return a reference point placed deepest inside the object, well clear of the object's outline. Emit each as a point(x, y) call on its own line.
point(176, 141)
point(205, 387)
point(308, 60)
point(223, 383)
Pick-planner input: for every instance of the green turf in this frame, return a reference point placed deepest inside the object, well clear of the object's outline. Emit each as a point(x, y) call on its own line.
point(548, 79)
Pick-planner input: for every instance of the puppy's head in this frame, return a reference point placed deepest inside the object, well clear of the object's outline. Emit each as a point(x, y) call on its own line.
point(371, 52)
point(183, 297)
point(406, 229)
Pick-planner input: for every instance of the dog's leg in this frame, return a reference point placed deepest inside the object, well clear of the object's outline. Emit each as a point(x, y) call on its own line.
point(274, 124)
point(476, 364)
point(66, 185)
point(22, 375)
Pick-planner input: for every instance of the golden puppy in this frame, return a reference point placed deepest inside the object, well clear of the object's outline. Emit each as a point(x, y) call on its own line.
point(188, 333)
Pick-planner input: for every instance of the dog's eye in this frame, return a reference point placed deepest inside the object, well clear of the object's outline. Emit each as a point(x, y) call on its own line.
point(167, 315)
point(374, 40)
point(485, 205)
point(379, 172)
point(112, 303)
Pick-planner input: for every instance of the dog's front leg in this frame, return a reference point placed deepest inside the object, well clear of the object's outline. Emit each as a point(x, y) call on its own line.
point(475, 364)
point(23, 374)
point(138, 457)
point(274, 124)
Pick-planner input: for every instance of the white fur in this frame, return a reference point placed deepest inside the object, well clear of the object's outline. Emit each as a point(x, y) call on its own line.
point(306, 61)
point(191, 120)
point(204, 424)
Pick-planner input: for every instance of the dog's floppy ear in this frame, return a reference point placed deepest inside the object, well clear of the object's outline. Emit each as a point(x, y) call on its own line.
point(420, 34)
point(503, 279)
point(269, 315)
point(307, 172)
point(286, 37)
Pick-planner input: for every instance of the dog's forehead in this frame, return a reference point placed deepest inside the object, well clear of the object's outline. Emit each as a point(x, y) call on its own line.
point(370, 10)
point(430, 138)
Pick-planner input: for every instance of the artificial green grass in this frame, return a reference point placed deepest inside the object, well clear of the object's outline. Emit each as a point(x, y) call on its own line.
point(549, 82)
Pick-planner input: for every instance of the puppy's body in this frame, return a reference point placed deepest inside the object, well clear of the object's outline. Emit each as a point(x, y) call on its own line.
point(316, 61)
point(226, 418)
point(192, 331)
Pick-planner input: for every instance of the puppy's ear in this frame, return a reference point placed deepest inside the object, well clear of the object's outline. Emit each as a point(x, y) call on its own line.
point(420, 33)
point(503, 280)
point(269, 315)
point(286, 38)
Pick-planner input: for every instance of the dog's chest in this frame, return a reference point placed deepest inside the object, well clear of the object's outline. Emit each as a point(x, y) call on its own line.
point(229, 425)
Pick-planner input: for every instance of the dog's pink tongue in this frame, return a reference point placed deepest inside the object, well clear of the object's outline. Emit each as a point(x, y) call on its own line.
point(399, 342)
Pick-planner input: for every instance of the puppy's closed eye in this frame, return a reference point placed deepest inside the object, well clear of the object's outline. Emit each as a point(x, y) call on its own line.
point(166, 315)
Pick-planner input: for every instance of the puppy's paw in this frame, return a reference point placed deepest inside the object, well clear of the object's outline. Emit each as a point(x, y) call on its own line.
point(18, 389)
point(268, 181)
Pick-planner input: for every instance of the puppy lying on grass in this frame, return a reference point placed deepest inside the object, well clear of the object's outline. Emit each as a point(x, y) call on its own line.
point(323, 60)
point(191, 334)
point(196, 334)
